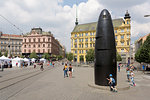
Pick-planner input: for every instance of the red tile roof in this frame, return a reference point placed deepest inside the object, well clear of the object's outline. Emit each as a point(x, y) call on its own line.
point(11, 35)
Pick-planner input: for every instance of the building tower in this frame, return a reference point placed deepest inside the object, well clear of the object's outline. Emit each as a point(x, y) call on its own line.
point(76, 23)
point(127, 18)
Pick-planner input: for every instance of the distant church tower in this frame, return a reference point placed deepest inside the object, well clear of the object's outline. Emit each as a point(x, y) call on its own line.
point(127, 18)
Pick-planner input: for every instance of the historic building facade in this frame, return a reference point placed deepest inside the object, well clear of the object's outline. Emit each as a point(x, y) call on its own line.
point(10, 43)
point(40, 42)
point(83, 38)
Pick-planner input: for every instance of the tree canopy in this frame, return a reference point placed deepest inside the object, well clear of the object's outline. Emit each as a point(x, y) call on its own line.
point(70, 56)
point(143, 53)
point(33, 55)
point(90, 55)
point(46, 56)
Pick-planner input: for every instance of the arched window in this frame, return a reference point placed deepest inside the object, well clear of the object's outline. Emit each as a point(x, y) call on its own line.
point(24, 50)
point(43, 50)
point(24, 46)
point(43, 45)
point(34, 45)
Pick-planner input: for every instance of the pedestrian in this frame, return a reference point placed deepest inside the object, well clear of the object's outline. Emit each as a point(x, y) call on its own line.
point(128, 75)
point(53, 64)
point(132, 78)
point(143, 68)
point(112, 83)
point(34, 65)
point(70, 71)
point(41, 66)
point(65, 70)
point(119, 67)
point(2, 65)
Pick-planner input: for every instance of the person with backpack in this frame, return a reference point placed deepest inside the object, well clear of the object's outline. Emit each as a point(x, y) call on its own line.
point(112, 83)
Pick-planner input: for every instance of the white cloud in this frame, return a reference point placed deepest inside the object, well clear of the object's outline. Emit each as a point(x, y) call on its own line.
point(50, 15)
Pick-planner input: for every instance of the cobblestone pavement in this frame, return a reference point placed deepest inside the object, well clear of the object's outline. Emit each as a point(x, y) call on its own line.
point(53, 86)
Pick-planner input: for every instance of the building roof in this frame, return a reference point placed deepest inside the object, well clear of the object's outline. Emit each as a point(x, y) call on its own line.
point(10, 35)
point(92, 26)
point(143, 37)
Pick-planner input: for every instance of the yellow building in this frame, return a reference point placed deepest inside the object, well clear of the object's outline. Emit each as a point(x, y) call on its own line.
point(83, 38)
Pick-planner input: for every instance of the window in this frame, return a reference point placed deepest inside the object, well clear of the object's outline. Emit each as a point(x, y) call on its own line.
point(29, 51)
point(34, 45)
point(75, 46)
point(90, 39)
point(1, 42)
point(43, 45)
point(94, 45)
point(127, 22)
point(75, 51)
point(122, 30)
point(29, 40)
point(75, 35)
point(24, 46)
point(82, 45)
point(86, 51)
point(48, 39)
point(29, 46)
point(82, 40)
point(39, 40)
point(91, 33)
point(115, 31)
point(79, 35)
point(34, 40)
point(48, 50)
point(16, 42)
point(4, 42)
point(48, 45)
point(82, 34)
point(86, 34)
point(122, 36)
point(43, 50)
point(122, 50)
point(43, 39)
point(34, 50)
point(91, 45)
point(75, 41)
point(24, 40)
point(86, 39)
point(24, 50)
point(16, 47)
point(127, 29)
point(79, 51)
point(86, 45)
point(82, 51)
point(127, 36)
point(115, 37)
point(39, 45)
point(122, 43)
point(128, 43)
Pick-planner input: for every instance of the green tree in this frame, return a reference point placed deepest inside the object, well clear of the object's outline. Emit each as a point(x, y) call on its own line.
point(22, 56)
point(70, 56)
point(33, 55)
point(118, 57)
point(59, 57)
point(143, 54)
point(46, 55)
point(81, 58)
point(6, 53)
point(90, 55)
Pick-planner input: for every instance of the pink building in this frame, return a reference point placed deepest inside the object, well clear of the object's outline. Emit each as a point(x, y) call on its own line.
point(39, 42)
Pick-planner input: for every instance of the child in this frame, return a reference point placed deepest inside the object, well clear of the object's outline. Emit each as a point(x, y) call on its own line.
point(112, 83)
point(132, 78)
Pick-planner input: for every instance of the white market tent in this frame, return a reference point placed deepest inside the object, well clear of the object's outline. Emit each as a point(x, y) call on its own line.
point(42, 59)
point(17, 60)
point(27, 61)
point(33, 59)
point(4, 59)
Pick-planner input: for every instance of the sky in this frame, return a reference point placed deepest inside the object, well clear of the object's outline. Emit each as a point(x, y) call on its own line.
point(58, 16)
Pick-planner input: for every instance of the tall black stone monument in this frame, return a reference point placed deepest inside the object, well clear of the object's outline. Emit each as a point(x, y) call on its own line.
point(105, 50)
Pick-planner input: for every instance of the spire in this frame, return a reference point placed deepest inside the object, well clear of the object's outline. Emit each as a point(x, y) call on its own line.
point(76, 23)
point(127, 15)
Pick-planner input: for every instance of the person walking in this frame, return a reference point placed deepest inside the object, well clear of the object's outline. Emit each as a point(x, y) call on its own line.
point(119, 67)
point(70, 71)
point(128, 74)
point(143, 68)
point(132, 78)
point(41, 66)
point(65, 70)
point(112, 83)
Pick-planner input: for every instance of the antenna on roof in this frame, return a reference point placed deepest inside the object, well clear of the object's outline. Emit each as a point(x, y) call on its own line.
point(76, 23)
